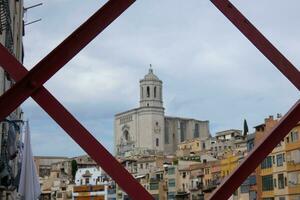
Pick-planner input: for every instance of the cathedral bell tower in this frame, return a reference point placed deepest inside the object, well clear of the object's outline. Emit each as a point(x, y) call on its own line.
point(151, 90)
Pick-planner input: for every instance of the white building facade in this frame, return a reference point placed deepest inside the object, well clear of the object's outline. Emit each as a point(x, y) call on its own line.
point(142, 130)
point(90, 184)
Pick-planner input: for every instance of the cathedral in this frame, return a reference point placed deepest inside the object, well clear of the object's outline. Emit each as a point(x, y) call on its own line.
point(146, 130)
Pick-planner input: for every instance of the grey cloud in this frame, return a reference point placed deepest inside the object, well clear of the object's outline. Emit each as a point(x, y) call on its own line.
point(210, 71)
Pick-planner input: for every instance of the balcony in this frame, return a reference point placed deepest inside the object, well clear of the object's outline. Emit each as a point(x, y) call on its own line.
point(267, 194)
point(294, 189)
point(291, 166)
point(182, 195)
point(209, 188)
point(88, 188)
point(266, 171)
point(292, 145)
point(196, 188)
point(111, 191)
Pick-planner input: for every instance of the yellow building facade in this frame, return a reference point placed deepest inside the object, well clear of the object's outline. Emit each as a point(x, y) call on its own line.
point(228, 164)
point(278, 176)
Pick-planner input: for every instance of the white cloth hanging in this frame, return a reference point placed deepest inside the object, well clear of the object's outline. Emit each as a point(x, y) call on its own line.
point(29, 187)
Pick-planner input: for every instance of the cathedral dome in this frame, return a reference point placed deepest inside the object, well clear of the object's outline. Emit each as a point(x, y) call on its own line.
point(150, 76)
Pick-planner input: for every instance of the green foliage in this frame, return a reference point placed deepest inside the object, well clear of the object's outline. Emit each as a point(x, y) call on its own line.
point(74, 168)
point(175, 162)
point(246, 130)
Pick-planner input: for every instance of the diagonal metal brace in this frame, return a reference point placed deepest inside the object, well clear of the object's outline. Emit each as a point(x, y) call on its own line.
point(259, 41)
point(236, 178)
point(77, 132)
point(258, 154)
point(61, 55)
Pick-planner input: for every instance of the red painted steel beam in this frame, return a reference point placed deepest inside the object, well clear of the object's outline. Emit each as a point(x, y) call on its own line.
point(61, 55)
point(79, 134)
point(231, 183)
point(259, 41)
point(258, 154)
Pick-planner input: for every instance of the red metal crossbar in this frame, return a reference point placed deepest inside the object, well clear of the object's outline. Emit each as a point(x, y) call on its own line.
point(31, 84)
point(259, 41)
point(237, 177)
point(258, 154)
point(61, 55)
point(79, 134)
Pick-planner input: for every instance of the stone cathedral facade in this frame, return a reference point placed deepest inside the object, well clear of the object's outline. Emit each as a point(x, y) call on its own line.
point(146, 130)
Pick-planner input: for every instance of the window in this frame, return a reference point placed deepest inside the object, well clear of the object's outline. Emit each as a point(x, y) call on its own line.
point(171, 171)
point(252, 180)
point(171, 182)
point(154, 92)
point(293, 179)
point(280, 181)
point(252, 195)
point(157, 142)
point(182, 131)
point(160, 92)
point(196, 132)
point(159, 176)
point(267, 183)
point(166, 132)
point(206, 170)
point(183, 174)
point(250, 145)
point(154, 186)
point(171, 195)
point(148, 91)
point(267, 163)
point(293, 157)
point(142, 92)
point(279, 159)
point(294, 136)
point(245, 188)
point(126, 135)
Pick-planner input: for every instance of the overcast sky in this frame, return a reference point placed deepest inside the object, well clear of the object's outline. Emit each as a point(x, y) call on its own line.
point(209, 70)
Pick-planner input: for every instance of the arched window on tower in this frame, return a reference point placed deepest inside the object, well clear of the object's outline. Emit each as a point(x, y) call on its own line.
point(126, 135)
point(142, 92)
point(154, 92)
point(160, 93)
point(148, 91)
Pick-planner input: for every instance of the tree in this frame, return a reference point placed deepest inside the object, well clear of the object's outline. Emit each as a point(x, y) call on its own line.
point(246, 130)
point(74, 168)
